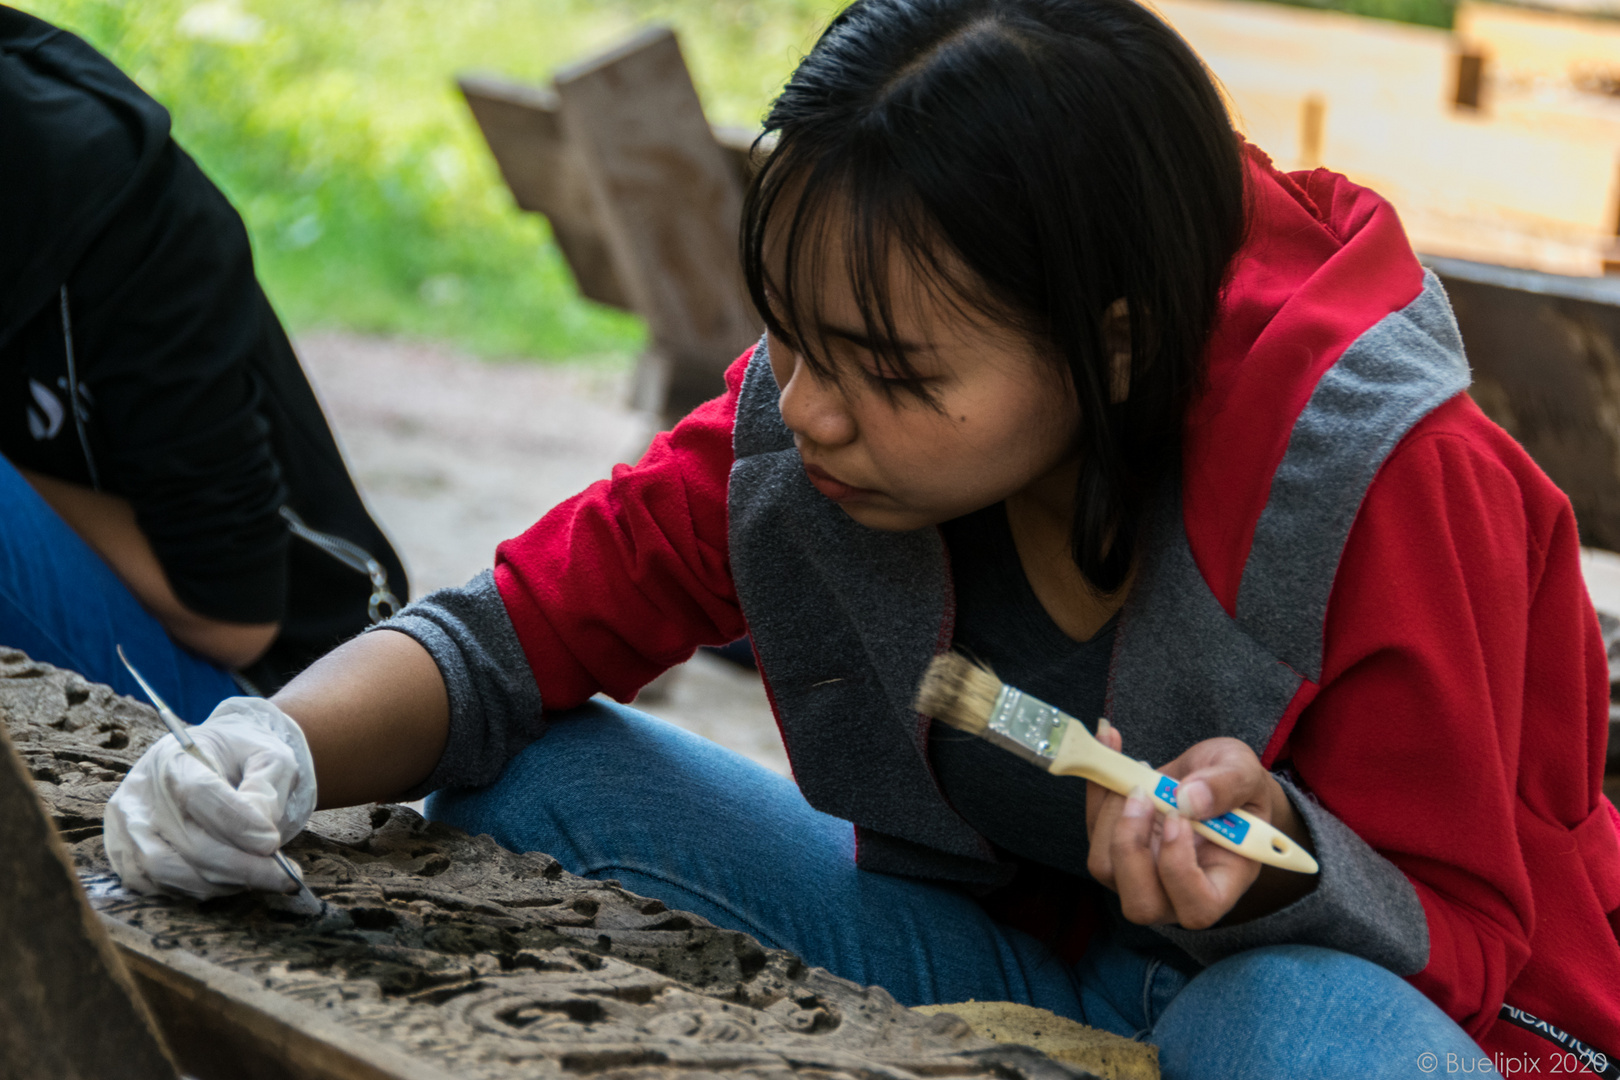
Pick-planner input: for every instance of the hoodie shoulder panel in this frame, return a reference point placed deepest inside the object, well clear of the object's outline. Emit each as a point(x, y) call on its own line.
point(1391, 377)
point(1316, 273)
point(1184, 670)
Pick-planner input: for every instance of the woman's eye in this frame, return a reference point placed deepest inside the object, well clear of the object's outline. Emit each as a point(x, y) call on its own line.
point(891, 383)
point(876, 370)
point(895, 379)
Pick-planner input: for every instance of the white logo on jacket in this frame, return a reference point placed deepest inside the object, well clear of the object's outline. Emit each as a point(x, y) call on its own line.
point(46, 420)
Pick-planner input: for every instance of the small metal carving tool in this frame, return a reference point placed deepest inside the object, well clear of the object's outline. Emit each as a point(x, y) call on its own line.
point(182, 734)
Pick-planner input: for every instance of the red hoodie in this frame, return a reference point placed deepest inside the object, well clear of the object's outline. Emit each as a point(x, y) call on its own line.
point(1454, 710)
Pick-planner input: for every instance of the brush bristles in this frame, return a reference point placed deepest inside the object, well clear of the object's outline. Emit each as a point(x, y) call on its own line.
point(958, 692)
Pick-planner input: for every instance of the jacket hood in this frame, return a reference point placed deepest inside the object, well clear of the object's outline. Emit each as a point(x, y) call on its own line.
point(79, 138)
point(1324, 262)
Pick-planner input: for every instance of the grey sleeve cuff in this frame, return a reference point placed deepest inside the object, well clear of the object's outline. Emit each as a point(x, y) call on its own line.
point(1362, 904)
point(494, 702)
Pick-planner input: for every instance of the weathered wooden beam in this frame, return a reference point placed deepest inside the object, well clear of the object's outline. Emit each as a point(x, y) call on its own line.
point(744, 148)
point(523, 128)
point(226, 1026)
point(1470, 79)
point(1545, 351)
point(669, 204)
point(68, 1009)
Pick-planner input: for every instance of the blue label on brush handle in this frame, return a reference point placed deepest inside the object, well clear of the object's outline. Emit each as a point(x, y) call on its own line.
point(1230, 826)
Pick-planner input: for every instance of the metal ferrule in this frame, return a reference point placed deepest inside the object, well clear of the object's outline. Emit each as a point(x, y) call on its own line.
point(1029, 723)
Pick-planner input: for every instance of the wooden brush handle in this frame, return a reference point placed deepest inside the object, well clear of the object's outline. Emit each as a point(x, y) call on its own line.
point(1080, 754)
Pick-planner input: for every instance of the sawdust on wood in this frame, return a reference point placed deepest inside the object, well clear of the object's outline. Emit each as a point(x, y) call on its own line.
point(1107, 1055)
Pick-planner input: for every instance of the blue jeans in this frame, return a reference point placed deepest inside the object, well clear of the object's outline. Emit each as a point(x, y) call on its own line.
point(60, 603)
point(613, 793)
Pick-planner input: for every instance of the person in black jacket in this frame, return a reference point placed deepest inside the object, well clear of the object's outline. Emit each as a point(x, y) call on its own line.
point(150, 399)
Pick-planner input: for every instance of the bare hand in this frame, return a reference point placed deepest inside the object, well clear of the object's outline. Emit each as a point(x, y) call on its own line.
point(1163, 871)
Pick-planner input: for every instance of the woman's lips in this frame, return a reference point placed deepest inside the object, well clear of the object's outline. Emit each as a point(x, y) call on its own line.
point(830, 486)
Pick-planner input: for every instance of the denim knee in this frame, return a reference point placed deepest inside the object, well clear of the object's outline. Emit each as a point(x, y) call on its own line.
point(1302, 1011)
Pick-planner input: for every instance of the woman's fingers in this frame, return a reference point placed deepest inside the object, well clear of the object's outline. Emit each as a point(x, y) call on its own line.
point(1103, 809)
point(1142, 897)
point(1218, 775)
point(1160, 869)
point(1202, 881)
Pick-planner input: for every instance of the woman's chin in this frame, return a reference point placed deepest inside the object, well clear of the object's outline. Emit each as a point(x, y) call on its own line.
point(887, 518)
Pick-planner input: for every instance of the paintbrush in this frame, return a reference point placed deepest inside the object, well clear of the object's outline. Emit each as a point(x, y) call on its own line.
point(182, 735)
point(971, 698)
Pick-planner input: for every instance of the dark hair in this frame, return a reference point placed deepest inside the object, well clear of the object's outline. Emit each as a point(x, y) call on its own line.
point(1036, 160)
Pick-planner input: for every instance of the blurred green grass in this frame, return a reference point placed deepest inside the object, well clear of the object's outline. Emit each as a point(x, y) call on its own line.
point(1439, 13)
point(334, 127)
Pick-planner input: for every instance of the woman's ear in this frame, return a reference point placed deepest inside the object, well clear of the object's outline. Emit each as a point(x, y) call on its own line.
point(1117, 339)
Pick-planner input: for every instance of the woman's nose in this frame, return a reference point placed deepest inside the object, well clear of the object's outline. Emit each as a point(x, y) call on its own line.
point(814, 408)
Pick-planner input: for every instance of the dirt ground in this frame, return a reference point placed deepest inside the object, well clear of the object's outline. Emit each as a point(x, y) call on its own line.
point(454, 455)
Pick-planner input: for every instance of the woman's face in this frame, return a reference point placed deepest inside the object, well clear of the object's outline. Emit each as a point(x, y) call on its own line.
point(1001, 417)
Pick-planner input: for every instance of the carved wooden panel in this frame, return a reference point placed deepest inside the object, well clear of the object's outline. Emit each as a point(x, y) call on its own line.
point(444, 955)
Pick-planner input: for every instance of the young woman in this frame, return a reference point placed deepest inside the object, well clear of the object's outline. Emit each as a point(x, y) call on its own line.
point(1059, 371)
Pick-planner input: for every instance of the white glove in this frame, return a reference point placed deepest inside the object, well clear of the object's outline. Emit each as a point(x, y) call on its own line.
point(175, 826)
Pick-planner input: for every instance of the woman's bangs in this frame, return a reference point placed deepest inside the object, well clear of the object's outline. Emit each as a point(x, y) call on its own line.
point(831, 225)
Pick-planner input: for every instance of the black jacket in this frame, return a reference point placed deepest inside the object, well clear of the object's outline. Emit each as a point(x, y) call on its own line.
point(138, 355)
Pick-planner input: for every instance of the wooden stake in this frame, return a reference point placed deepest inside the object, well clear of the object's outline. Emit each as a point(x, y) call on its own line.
point(68, 1008)
point(1312, 120)
point(670, 207)
point(1470, 79)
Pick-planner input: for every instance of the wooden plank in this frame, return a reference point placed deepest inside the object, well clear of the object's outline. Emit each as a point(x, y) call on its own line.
point(523, 127)
point(669, 204)
point(68, 1009)
point(225, 1026)
point(1545, 350)
point(524, 131)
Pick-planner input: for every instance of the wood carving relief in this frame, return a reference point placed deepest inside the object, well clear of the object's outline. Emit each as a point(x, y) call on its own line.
point(470, 960)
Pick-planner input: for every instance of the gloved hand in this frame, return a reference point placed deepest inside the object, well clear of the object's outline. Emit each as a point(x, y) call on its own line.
point(174, 826)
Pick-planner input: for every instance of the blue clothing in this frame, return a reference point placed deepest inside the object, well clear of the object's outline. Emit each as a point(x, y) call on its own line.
point(60, 603)
point(613, 793)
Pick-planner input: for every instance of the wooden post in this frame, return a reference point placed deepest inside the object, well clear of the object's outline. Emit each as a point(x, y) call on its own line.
point(1312, 117)
point(524, 130)
point(68, 1008)
point(669, 205)
point(1470, 79)
point(523, 126)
